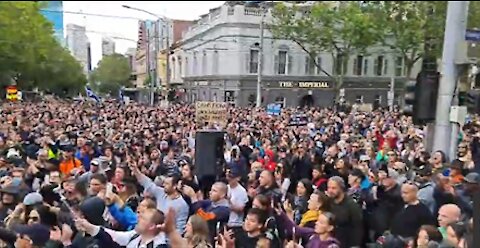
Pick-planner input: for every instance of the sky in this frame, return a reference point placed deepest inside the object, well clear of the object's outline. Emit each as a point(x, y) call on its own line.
point(126, 27)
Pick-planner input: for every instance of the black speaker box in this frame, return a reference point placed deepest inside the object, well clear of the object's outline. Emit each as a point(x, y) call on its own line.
point(209, 157)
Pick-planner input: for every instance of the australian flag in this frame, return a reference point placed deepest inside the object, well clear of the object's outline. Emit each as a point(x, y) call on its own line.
point(91, 94)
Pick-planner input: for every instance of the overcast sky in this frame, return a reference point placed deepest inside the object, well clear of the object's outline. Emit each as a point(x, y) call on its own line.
point(126, 27)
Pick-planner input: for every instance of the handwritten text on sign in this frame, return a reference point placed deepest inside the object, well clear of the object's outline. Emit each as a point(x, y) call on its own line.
point(211, 112)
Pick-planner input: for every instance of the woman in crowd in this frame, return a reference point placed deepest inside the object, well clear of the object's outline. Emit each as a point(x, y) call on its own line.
point(321, 236)
point(298, 203)
point(427, 237)
point(457, 234)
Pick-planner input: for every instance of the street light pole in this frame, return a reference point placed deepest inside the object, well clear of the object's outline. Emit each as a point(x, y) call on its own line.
point(455, 28)
point(260, 63)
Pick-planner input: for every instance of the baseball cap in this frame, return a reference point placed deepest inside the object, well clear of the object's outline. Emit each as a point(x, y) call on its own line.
point(234, 172)
point(472, 177)
point(32, 199)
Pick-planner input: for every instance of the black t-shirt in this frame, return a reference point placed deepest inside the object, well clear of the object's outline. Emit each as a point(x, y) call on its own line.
point(242, 240)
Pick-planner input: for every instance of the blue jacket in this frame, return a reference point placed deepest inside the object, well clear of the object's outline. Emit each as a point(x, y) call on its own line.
point(125, 216)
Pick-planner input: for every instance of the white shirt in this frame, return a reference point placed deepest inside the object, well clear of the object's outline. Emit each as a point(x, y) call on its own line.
point(239, 198)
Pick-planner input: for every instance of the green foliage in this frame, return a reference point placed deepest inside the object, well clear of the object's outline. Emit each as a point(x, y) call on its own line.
point(29, 53)
point(350, 28)
point(112, 73)
point(344, 30)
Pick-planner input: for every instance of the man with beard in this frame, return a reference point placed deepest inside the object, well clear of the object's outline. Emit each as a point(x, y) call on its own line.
point(167, 197)
point(349, 229)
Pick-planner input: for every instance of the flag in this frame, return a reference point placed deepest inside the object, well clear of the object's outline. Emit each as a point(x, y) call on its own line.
point(120, 95)
point(91, 94)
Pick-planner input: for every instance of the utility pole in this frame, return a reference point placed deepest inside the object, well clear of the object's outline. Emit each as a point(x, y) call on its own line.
point(455, 28)
point(155, 63)
point(149, 69)
point(167, 63)
point(391, 93)
point(260, 62)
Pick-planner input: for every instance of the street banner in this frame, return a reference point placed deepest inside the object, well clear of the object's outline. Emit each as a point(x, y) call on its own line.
point(211, 112)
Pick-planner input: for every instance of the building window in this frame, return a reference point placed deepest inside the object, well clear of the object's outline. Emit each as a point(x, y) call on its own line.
point(319, 67)
point(339, 70)
point(230, 96)
point(187, 69)
point(195, 64)
point(378, 100)
point(359, 99)
point(253, 61)
point(174, 66)
point(358, 65)
point(204, 63)
point(380, 66)
point(309, 66)
point(215, 63)
point(180, 67)
point(399, 64)
point(282, 62)
point(365, 66)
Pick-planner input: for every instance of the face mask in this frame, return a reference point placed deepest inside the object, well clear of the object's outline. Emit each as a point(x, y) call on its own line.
point(16, 182)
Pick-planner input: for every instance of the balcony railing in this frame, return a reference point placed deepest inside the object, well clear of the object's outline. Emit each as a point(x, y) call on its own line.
point(253, 12)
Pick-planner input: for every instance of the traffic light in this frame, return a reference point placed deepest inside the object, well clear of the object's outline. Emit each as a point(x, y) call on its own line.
point(421, 97)
point(410, 100)
point(171, 95)
point(473, 101)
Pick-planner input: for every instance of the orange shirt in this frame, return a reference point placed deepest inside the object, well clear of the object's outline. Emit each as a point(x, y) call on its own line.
point(67, 166)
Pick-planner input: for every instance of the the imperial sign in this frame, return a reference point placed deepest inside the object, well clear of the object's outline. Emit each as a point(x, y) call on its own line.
point(303, 84)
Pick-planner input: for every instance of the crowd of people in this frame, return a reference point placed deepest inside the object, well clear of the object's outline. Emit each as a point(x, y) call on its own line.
point(79, 175)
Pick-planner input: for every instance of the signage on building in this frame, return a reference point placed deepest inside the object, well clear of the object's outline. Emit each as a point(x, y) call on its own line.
point(317, 85)
point(201, 83)
point(211, 112)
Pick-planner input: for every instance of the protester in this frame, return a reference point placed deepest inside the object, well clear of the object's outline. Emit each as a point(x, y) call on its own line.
point(64, 165)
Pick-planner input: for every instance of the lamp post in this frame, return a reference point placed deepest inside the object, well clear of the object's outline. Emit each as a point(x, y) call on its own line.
point(157, 49)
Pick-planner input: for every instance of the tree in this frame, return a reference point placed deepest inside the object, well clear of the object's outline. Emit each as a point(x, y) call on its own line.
point(347, 29)
point(415, 29)
point(112, 73)
point(29, 54)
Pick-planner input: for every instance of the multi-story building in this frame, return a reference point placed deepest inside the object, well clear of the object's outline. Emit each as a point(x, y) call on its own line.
point(54, 13)
point(77, 42)
point(140, 63)
point(218, 61)
point(108, 46)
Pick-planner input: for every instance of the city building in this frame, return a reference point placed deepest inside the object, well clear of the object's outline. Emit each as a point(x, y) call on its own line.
point(108, 46)
point(54, 13)
point(130, 54)
point(175, 30)
point(140, 63)
point(78, 44)
point(217, 60)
